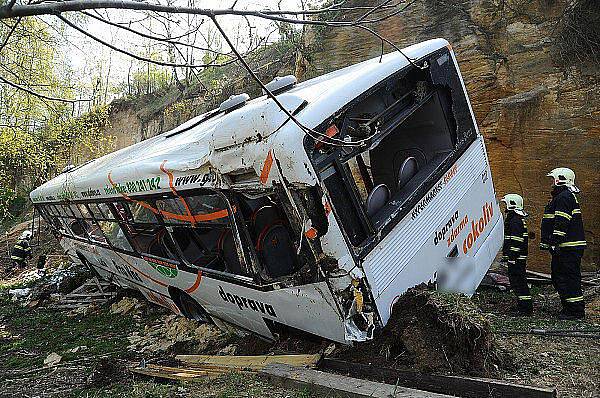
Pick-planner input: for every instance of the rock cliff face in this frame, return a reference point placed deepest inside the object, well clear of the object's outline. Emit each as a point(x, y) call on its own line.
point(536, 109)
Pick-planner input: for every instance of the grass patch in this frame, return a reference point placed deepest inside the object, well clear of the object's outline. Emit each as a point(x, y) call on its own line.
point(34, 333)
point(133, 390)
point(229, 385)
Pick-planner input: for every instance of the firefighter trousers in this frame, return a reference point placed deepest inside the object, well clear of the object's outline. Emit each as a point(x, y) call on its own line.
point(566, 278)
point(518, 283)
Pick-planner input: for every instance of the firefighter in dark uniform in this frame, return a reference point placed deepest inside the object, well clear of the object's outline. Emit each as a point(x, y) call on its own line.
point(21, 250)
point(563, 235)
point(516, 240)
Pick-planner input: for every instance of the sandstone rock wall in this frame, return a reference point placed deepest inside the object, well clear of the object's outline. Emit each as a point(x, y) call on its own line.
point(535, 112)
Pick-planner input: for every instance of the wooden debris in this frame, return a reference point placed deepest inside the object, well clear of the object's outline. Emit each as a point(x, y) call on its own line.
point(93, 291)
point(172, 373)
point(468, 387)
point(253, 362)
point(333, 385)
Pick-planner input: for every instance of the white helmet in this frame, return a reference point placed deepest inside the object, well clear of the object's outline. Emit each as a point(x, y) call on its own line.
point(514, 202)
point(26, 235)
point(564, 176)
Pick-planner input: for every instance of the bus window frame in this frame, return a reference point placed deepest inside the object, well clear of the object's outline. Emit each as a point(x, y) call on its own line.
point(232, 222)
point(251, 281)
point(338, 161)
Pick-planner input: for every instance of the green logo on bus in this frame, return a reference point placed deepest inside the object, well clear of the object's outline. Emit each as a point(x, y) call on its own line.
point(167, 270)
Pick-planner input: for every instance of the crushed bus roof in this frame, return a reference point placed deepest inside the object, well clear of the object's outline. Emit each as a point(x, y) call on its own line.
point(199, 153)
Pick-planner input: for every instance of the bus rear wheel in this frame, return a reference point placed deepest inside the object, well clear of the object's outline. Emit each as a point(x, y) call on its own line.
point(191, 309)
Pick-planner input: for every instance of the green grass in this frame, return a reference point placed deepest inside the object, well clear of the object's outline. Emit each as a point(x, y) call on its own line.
point(231, 385)
point(133, 390)
point(42, 331)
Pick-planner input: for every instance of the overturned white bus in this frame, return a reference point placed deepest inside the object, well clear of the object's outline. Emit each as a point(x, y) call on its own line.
point(239, 217)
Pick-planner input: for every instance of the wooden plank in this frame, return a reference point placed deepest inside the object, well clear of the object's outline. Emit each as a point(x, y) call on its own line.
point(171, 373)
point(79, 289)
point(333, 385)
point(97, 282)
point(186, 370)
point(83, 300)
point(468, 387)
point(251, 362)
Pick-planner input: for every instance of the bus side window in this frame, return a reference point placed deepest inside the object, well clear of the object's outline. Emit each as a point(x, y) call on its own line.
point(345, 210)
point(146, 233)
point(271, 237)
point(92, 228)
point(201, 228)
point(51, 217)
point(107, 230)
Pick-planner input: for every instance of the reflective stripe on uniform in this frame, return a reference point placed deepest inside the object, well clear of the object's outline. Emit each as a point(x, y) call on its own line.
point(511, 261)
point(525, 234)
point(16, 258)
point(574, 243)
point(19, 247)
point(522, 258)
point(548, 215)
point(563, 214)
point(559, 233)
point(544, 245)
point(574, 299)
point(515, 249)
point(576, 211)
point(524, 297)
point(517, 238)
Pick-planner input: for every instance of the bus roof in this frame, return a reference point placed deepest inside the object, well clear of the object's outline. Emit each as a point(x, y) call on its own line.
point(208, 146)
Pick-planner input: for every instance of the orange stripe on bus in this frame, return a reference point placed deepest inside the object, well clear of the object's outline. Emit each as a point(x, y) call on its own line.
point(193, 288)
point(170, 175)
point(266, 169)
point(180, 217)
point(330, 132)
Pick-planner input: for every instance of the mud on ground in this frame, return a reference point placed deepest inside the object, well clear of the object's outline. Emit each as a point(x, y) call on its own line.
point(432, 331)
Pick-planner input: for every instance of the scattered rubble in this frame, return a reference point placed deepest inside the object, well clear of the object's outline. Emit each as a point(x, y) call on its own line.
point(177, 334)
point(19, 294)
point(52, 359)
point(125, 306)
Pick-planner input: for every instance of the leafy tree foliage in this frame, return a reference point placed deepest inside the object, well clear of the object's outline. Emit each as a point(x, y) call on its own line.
point(38, 136)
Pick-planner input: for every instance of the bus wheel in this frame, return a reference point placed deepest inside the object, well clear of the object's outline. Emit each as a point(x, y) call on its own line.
point(191, 309)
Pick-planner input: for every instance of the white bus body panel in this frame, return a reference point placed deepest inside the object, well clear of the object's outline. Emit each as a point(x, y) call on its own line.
point(407, 257)
point(310, 308)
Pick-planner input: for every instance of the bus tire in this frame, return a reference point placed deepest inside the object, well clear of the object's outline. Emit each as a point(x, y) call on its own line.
point(189, 307)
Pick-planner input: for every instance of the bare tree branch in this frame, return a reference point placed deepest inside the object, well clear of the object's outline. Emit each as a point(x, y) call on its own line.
point(81, 5)
point(138, 57)
point(313, 133)
point(151, 37)
point(39, 95)
point(9, 34)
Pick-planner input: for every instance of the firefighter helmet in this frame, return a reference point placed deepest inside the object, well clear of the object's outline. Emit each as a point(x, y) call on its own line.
point(514, 202)
point(562, 176)
point(26, 235)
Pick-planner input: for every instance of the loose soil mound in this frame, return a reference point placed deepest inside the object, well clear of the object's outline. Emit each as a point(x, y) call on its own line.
point(432, 331)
